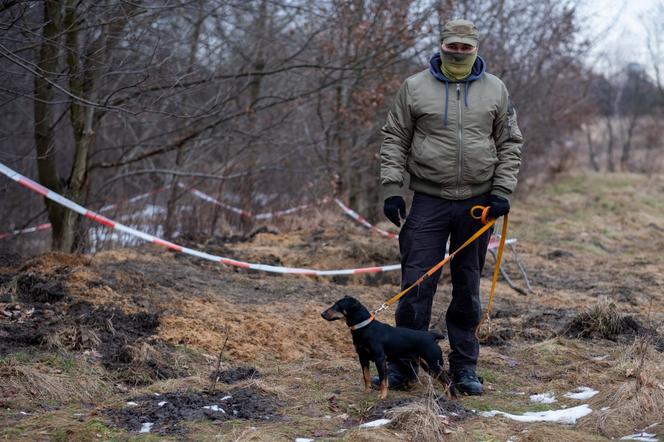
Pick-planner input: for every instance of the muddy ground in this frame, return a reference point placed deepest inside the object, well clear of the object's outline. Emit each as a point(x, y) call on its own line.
point(97, 347)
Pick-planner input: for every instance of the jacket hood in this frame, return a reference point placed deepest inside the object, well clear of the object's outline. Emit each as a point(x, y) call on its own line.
point(478, 70)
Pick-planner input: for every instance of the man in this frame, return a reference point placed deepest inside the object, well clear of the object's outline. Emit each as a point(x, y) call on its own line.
point(453, 128)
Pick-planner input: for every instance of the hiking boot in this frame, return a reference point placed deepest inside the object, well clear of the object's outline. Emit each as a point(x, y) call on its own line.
point(466, 382)
point(396, 379)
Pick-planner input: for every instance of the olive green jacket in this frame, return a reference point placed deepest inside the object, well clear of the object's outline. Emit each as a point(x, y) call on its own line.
point(456, 151)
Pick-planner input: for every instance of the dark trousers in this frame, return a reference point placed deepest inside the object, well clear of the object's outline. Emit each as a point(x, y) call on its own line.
point(422, 243)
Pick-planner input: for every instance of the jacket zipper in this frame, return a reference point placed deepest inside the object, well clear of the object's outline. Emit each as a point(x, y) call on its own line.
point(460, 135)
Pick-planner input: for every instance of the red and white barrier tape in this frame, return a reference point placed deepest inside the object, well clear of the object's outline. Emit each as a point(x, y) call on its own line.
point(268, 215)
point(246, 213)
point(359, 218)
point(133, 199)
point(493, 242)
point(41, 190)
point(47, 226)
point(37, 228)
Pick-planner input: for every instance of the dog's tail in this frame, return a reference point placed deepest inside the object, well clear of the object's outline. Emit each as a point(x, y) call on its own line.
point(437, 335)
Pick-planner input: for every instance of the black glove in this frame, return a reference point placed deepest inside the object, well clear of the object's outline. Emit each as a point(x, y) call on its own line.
point(395, 208)
point(498, 206)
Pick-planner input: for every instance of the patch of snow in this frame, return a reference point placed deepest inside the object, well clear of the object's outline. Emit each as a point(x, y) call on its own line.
point(131, 404)
point(603, 408)
point(643, 436)
point(225, 398)
point(24, 413)
point(544, 398)
point(581, 393)
point(214, 408)
point(146, 427)
point(303, 439)
point(566, 416)
point(157, 394)
point(162, 403)
point(599, 358)
point(376, 423)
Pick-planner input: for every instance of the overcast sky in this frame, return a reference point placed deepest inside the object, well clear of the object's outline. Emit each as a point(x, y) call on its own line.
point(619, 26)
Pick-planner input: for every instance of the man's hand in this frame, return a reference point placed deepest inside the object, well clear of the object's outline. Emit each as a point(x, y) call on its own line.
point(394, 209)
point(498, 206)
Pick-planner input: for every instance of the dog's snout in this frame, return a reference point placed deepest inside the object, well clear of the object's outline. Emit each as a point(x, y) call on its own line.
point(331, 314)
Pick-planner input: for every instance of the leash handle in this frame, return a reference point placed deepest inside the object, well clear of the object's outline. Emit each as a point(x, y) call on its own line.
point(484, 213)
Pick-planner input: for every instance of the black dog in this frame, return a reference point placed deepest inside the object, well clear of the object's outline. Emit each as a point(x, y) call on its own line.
point(378, 342)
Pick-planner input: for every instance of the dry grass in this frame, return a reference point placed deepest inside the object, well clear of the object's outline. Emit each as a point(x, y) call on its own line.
point(602, 321)
point(638, 401)
point(39, 384)
point(274, 324)
point(423, 419)
point(73, 338)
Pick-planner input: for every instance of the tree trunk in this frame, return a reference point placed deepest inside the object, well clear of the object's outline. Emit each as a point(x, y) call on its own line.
point(609, 146)
point(176, 193)
point(627, 144)
point(591, 150)
point(61, 219)
point(81, 83)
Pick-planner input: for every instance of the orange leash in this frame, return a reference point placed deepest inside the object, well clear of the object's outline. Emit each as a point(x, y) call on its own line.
point(496, 272)
point(488, 223)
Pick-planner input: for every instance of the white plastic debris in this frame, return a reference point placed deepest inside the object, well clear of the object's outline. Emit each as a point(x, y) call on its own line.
point(146, 427)
point(544, 398)
point(581, 393)
point(131, 404)
point(376, 423)
point(214, 408)
point(643, 436)
point(565, 416)
point(162, 403)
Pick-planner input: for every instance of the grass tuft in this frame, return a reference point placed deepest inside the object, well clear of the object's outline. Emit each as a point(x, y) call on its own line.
point(423, 419)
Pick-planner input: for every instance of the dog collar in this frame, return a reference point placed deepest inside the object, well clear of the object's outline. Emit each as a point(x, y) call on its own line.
point(362, 324)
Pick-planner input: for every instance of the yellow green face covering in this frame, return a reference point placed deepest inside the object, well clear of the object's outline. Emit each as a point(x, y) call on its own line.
point(456, 66)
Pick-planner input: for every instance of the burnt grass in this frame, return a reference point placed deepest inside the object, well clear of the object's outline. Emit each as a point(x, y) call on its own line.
point(42, 313)
point(234, 374)
point(604, 322)
point(169, 411)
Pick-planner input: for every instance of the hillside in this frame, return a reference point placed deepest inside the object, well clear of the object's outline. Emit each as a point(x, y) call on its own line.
point(96, 347)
